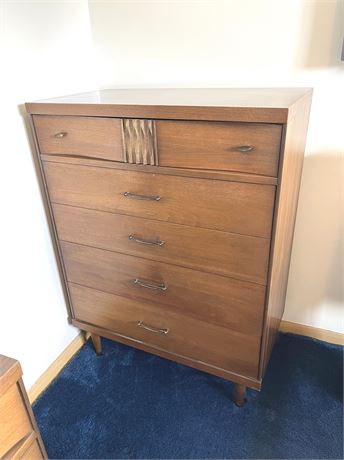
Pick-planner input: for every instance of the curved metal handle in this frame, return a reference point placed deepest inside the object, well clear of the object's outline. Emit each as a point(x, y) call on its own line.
point(150, 285)
point(136, 196)
point(245, 148)
point(152, 328)
point(143, 241)
point(60, 135)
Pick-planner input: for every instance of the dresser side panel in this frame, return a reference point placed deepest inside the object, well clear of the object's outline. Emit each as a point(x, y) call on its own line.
point(284, 222)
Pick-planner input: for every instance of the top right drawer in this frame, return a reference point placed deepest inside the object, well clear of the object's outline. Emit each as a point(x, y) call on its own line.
point(241, 147)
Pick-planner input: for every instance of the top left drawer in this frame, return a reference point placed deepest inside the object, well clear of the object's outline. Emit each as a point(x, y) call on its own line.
point(93, 137)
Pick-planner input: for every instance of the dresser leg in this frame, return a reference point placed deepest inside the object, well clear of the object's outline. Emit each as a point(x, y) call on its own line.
point(96, 340)
point(239, 395)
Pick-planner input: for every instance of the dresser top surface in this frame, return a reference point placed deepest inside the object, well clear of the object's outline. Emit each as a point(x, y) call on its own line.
point(228, 104)
point(10, 372)
point(199, 97)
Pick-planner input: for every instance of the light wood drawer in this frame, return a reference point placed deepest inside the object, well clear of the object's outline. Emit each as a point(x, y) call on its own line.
point(246, 147)
point(175, 333)
point(93, 137)
point(229, 206)
point(32, 453)
point(238, 256)
point(236, 304)
point(15, 422)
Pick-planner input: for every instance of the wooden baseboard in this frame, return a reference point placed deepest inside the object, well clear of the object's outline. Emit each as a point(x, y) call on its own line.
point(314, 332)
point(55, 368)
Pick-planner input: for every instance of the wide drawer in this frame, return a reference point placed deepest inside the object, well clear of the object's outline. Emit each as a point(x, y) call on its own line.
point(93, 137)
point(245, 147)
point(168, 331)
point(242, 257)
point(229, 206)
point(15, 422)
point(227, 302)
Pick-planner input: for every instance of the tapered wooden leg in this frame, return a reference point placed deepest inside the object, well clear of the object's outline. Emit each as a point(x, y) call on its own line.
point(239, 395)
point(96, 340)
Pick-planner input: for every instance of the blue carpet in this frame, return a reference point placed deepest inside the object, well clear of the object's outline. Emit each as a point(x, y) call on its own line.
point(130, 404)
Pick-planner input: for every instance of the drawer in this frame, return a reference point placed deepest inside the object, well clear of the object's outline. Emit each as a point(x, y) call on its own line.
point(229, 206)
point(93, 137)
point(32, 453)
point(13, 428)
point(245, 147)
point(239, 256)
point(227, 302)
point(167, 331)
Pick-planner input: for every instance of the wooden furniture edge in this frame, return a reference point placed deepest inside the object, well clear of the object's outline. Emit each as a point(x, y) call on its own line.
point(17, 451)
point(32, 136)
point(293, 139)
point(27, 402)
point(325, 335)
point(231, 376)
point(10, 371)
point(231, 176)
point(176, 112)
point(56, 366)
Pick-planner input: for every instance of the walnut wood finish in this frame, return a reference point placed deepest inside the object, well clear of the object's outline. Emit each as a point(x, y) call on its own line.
point(285, 215)
point(96, 340)
point(238, 256)
point(139, 141)
point(223, 301)
point(196, 207)
point(229, 206)
point(249, 105)
point(169, 171)
point(160, 327)
point(81, 136)
point(252, 148)
point(18, 429)
point(239, 395)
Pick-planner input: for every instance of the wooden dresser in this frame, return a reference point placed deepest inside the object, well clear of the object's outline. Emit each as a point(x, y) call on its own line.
point(19, 435)
point(173, 212)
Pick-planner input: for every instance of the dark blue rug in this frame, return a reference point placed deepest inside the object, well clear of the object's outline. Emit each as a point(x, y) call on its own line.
point(130, 404)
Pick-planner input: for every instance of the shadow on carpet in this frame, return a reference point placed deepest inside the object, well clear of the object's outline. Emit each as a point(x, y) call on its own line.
point(131, 404)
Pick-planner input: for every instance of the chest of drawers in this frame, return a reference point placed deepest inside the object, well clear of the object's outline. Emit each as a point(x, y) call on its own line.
point(173, 212)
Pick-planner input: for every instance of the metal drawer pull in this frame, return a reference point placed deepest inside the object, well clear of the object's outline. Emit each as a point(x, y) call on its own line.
point(142, 241)
point(60, 135)
point(135, 196)
point(245, 148)
point(152, 328)
point(148, 285)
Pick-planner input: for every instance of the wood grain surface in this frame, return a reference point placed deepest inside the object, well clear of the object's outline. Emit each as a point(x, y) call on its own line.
point(235, 304)
point(229, 206)
point(238, 256)
point(220, 146)
point(174, 332)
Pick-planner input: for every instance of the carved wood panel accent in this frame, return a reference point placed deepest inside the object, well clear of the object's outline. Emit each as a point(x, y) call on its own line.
point(139, 141)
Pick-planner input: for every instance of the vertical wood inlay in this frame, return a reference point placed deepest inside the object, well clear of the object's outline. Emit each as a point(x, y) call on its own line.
point(139, 141)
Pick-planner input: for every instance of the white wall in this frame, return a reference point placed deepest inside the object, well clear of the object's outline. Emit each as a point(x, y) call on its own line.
point(46, 50)
point(252, 43)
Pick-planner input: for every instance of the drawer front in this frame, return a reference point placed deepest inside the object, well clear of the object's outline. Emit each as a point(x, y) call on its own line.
point(163, 329)
point(15, 422)
point(244, 147)
point(32, 453)
point(229, 206)
point(239, 256)
point(217, 299)
point(80, 136)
